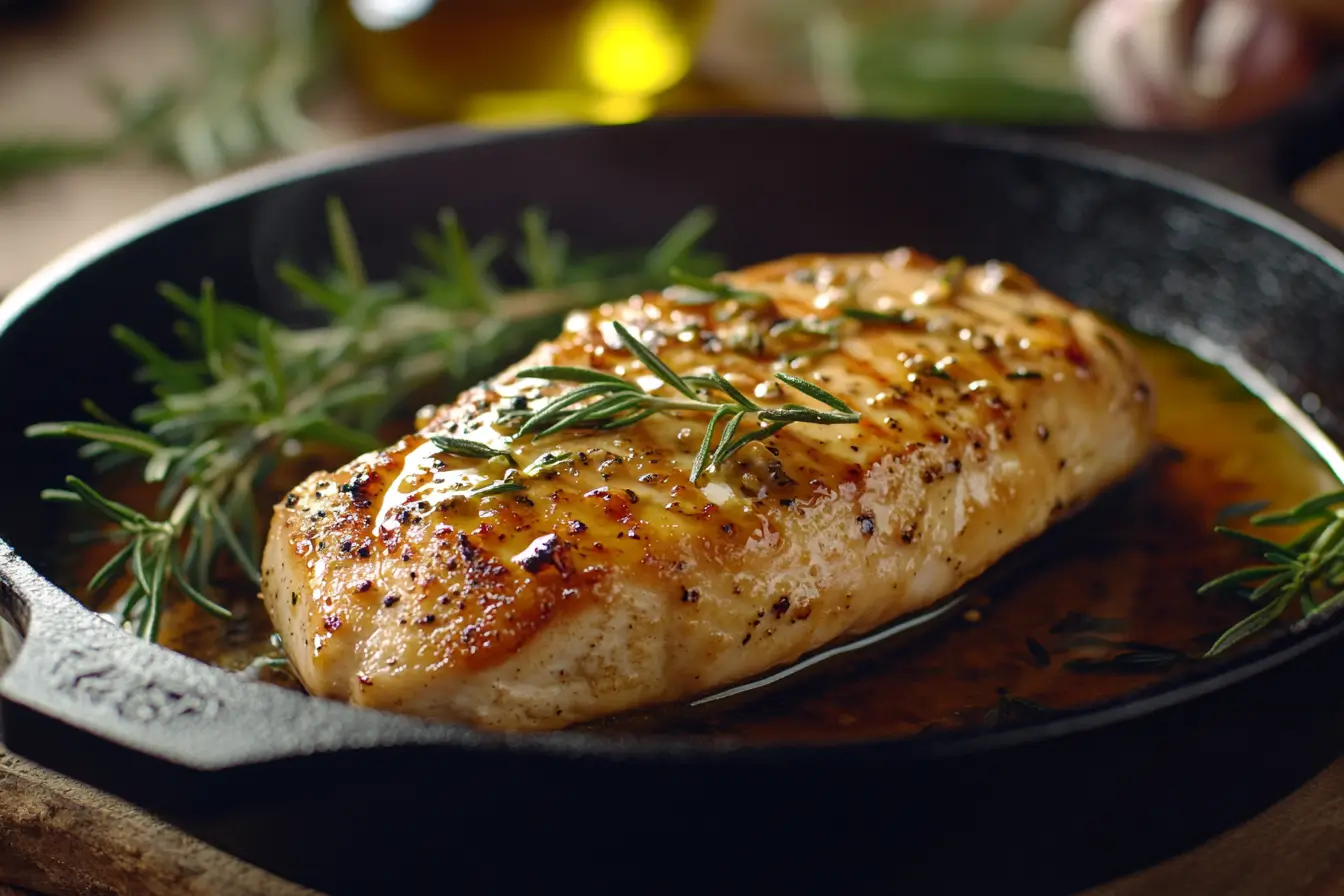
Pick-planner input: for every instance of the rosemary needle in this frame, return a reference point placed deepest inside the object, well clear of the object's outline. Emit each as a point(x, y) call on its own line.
point(689, 289)
point(468, 448)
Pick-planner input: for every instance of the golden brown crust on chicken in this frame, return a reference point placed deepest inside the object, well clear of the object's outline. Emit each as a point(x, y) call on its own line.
point(989, 409)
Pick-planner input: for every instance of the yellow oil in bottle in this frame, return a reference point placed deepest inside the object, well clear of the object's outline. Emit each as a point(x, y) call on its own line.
point(511, 61)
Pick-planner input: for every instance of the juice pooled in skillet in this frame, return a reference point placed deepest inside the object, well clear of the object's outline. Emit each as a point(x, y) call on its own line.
point(933, 418)
point(1104, 605)
point(1091, 610)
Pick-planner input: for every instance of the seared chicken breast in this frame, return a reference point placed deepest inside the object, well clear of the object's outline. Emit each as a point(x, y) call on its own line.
point(609, 580)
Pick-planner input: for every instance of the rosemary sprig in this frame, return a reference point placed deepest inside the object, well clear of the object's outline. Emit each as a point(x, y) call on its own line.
point(251, 390)
point(1308, 569)
point(149, 549)
point(613, 402)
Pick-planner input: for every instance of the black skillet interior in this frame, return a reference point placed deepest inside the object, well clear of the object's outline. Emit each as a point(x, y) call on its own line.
point(346, 800)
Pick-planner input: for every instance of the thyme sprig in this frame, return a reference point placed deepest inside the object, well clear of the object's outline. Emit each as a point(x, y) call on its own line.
point(245, 392)
point(613, 403)
point(1308, 569)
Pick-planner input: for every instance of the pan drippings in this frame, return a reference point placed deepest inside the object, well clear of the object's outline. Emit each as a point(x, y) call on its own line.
point(1100, 606)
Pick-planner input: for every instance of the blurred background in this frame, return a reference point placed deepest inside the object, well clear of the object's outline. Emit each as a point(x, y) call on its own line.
point(107, 106)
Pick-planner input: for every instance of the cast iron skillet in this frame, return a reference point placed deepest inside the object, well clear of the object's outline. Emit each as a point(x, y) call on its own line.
point(355, 801)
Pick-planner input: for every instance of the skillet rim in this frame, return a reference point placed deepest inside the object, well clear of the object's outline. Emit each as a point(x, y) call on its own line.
point(1293, 224)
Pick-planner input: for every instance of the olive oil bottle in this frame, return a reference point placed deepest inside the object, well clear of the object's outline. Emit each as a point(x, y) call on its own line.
point(506, 61)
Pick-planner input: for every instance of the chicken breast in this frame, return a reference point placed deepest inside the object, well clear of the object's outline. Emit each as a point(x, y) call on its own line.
point(988, 409)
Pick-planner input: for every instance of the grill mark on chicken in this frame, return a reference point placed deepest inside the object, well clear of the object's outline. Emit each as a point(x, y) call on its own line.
point(572, 599)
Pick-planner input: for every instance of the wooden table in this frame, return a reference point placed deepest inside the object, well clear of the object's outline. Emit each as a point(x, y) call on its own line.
point(60, 837)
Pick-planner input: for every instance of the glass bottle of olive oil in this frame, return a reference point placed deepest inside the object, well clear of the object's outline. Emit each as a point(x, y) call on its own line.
point(507, 61)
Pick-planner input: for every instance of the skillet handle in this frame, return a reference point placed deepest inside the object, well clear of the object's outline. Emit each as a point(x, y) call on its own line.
point(146, 723)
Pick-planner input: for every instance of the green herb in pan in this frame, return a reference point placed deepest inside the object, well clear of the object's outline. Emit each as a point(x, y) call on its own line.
point(250, 389)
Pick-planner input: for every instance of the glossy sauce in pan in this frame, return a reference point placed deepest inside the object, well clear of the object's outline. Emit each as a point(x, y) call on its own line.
point(1103, 604)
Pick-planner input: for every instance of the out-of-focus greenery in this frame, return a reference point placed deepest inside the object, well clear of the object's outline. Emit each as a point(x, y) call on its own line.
point(241, 99)
point(237, 102)
point(939, 58)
